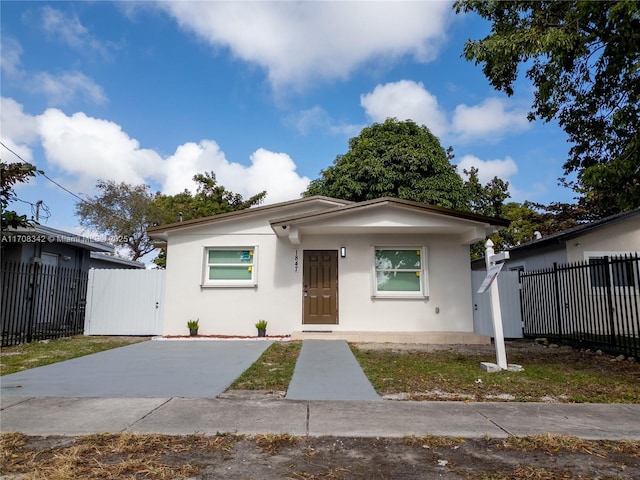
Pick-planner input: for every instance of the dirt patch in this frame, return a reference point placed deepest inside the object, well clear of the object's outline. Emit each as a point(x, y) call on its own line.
point(268, 457)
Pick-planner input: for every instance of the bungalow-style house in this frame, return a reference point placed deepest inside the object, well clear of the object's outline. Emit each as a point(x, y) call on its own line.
point(384, 269)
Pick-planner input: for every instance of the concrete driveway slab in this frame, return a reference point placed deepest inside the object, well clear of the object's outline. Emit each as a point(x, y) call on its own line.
point(143, 370)
point(398, 419)
point(185, 416)
point(76, 416)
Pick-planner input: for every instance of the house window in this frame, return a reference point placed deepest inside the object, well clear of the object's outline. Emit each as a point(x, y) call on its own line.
point(400, 272)
point(615, 270)
point(230, 267)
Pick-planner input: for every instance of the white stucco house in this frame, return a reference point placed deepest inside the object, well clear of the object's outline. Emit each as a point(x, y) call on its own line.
point(384, 269)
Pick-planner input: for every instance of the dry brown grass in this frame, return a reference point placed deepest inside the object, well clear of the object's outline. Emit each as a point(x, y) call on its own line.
point(106, 456)
point(558, 443)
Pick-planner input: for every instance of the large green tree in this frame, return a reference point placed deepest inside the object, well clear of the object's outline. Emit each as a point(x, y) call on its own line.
point(583, 58)
point(397, 159)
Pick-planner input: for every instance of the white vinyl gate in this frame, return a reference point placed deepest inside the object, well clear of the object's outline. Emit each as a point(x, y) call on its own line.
point(124, 302)
point(509, 289)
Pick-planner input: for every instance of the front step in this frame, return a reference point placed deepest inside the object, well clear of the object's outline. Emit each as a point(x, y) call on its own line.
point(436, 338)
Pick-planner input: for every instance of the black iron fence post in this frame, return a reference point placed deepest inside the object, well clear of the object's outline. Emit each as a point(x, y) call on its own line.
point(556, 284)
point(34, 281)
point(610, 310)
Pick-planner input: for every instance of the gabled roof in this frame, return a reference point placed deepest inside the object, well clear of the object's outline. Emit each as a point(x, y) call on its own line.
point(322, 202)
point(335, 215)
point(388, 201)
point(577, 231)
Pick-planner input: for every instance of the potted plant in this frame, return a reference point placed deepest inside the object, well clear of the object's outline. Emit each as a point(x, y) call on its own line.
point(193, 327)
point(261, 325)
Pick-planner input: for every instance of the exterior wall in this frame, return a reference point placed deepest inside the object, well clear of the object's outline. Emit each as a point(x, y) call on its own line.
point(538, 259)
point(24, 252)
point(277, 297)
point(619, 237)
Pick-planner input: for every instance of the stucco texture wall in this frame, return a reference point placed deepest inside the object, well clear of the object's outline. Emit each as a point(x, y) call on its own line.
point(277, 297)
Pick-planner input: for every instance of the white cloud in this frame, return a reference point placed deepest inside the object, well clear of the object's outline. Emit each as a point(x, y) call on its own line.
point(317, 117)
point(91, 149)
point(297, 42)
point(491, 119)
point(17, 126)
point(405, 100)
point(10, 57)
point(87, 149)
point(487, 169)
point(70, 30)
point(270, 171)
point(62, 89)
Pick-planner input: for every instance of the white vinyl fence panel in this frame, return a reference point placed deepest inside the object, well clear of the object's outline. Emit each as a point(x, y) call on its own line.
point(124, 302)
point(509, 289)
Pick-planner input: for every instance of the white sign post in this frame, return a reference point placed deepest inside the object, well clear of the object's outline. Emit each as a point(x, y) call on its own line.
point(493, 268)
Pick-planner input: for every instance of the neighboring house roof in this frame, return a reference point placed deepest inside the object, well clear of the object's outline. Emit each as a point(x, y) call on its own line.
point(333, 215)
point(559, 238)
point(52, 235)
point(103, 257)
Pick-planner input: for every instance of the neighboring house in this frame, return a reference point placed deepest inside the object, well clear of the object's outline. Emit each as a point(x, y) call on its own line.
point(582, 284)
point(381, 269)
point(612, 236)
point(53, 247)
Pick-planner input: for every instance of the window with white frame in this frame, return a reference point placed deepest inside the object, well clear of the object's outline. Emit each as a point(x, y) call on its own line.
point(612, 269)
point(230, 267)
point(400, 272)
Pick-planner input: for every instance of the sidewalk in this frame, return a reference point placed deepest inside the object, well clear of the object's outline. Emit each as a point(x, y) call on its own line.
point(264, 414)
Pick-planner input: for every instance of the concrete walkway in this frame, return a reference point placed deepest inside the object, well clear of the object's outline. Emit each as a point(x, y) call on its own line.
point(388, 418)
point(192, 369)
point(327, 370)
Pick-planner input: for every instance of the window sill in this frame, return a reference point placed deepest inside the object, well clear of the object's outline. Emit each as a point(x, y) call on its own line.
point(401, 295)
point(229, 285)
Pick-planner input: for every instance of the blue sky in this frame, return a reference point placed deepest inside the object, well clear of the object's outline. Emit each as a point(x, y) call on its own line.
point(265, 94)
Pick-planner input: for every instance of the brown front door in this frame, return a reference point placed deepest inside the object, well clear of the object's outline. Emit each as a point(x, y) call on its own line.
point(320, 282)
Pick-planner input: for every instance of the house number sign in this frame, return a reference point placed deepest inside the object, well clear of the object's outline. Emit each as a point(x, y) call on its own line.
point(295, 261)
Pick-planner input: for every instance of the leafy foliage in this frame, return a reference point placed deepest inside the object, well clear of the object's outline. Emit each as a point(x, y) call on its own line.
point(122, 212)
point(582, 58)
point(398, 159)
point(486, 199)
point(209, 199)
point(10, 174)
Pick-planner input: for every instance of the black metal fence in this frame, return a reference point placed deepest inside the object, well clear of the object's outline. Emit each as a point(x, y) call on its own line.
point(41, 302)
point(592, 303)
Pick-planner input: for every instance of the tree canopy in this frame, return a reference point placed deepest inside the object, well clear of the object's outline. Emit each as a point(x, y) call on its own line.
point(10, 174)
point(209, 199)
point(397, 159)
point(583, 58)
point(123, 212)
